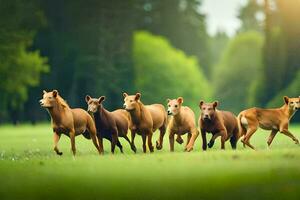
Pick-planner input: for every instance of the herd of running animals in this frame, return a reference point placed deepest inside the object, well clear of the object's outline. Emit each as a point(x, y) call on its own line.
point(97, 123)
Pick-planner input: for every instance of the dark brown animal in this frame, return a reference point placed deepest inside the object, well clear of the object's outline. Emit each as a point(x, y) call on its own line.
point(145, 120)
point(269, 119)
point(182, 122)
point(109, 125)
point(219, 123)
point(71, 122)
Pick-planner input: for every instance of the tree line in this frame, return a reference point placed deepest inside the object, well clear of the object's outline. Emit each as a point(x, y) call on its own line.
point(160, 48)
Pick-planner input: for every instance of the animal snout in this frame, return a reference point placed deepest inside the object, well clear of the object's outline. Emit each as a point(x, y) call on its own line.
point(41, 102)
point(206, 116)
point(169, 112)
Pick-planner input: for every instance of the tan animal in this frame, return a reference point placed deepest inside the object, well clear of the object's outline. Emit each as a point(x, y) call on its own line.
point(269, 119)
point(219, 123)
point(110, 125)
point(182, 122)
point(71, 122)
point(145, 120)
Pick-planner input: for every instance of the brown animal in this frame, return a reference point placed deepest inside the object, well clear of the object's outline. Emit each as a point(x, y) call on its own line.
point(183, 121)
point(145, 120)
point(269, 119)
point(219, 123)
point(109, 125)
point(71, 122)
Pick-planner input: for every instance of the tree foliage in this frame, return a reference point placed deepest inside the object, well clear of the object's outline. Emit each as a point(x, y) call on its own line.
point(20, 67)
point(162, 71)
point(238, 68)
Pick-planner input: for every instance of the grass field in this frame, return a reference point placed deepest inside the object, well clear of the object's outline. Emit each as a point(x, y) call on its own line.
point(29, 169)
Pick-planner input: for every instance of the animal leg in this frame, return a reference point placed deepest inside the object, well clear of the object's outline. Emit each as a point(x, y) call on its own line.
point(159, 143)
point(131, 146)
point(150, 146)
point(189, 135)
point(144, 136)
point(100, 142)
point(192, 140)
point(179, 139)
point(212, 140)
point(94, 139)
point(233, 141)
point(72, 137)
point(56, 138)
point(114, 139)
point(171, 141)
point(132, 141)
point(120, 145)
point(271, 137)
point(290, 135)
point(247, 137)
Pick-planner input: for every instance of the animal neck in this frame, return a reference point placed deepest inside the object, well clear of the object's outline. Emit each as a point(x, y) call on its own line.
point(56, 112)
point(136, 114)
point(178, 117)
point(100, 113)
point(288, 111)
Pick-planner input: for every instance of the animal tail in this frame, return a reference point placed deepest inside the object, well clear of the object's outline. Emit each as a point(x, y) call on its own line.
point(242, 128)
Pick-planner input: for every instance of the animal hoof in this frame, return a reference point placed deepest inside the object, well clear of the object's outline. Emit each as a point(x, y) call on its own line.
point(210, 144)
point(179, 140)
point(297, 142)
point(59, 153)
point(188, 149)
point(158, 146)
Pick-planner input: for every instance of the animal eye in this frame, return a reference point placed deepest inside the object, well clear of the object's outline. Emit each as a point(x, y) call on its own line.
point(292, 102)
point(176, 106)
point(169, 105)
point(131, 100)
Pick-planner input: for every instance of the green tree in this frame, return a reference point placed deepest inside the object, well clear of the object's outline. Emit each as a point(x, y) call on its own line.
point(20, 68)
point(162, 72)
point(182, 23)
point(217, 45)
point(291, 90)
point(251, 16)
point(281, 48)
point(238, 70)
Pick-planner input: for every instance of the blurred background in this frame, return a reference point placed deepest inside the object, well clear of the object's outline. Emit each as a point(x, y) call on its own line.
point(242, 53)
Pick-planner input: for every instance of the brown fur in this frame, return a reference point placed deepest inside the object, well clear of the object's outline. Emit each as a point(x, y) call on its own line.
point(268, 119)
point(109, 125)
point(145, 120)
point(71, 122)
point(182, 121)
point(219, 123)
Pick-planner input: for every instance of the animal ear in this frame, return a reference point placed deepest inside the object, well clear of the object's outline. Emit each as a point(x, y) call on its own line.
point(87, 98)
point(125, 94)
point(201, 103)
point(55, 93)
point(44, 92)
point(180, 100)
point(215, 104)
point(101, 99)
point(137, 96)
point(286, 99)
point(168, 100)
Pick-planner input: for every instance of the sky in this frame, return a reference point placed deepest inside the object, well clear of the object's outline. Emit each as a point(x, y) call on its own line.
point(222, 15)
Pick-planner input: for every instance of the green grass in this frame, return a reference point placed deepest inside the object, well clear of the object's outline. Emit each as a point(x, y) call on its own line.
point(29, 169)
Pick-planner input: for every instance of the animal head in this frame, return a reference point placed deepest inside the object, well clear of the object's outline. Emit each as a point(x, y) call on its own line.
point(93, 103)
point(208, 109)
point(293, 103)
point(174, 105)
point(50, 99)
point(131, 101)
